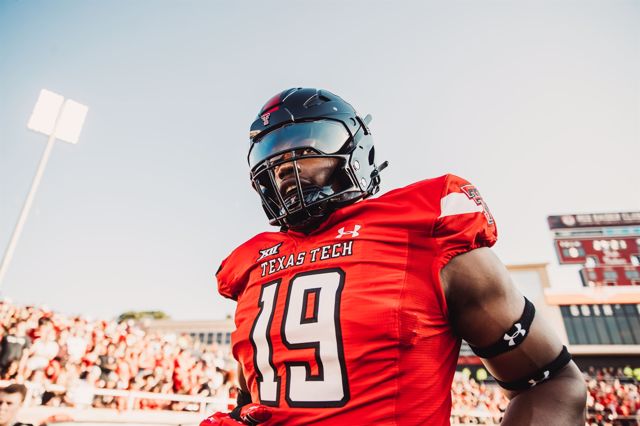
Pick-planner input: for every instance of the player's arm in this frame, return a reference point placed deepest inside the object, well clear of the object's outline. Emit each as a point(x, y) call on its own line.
point(242, 382)
point(484, 309)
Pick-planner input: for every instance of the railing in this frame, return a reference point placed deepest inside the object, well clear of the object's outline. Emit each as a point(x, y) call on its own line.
point(205, 404)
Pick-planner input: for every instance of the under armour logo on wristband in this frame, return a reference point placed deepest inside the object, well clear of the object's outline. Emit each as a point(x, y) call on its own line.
point(354, 233)
point(545, 376)
point(519, 332)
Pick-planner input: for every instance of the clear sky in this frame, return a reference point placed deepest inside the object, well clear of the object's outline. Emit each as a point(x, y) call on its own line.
point(537, 103)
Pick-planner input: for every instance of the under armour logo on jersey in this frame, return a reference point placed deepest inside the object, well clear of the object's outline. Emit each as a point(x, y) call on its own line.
point(354, 233)
point(265, 118)
point(512, 338)
point(534, 382)
point(269, 251)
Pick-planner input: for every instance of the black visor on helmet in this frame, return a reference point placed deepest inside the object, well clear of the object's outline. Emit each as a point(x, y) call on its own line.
point(323, 136)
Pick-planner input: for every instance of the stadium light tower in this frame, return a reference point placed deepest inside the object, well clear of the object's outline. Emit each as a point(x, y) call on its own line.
point(58, 119)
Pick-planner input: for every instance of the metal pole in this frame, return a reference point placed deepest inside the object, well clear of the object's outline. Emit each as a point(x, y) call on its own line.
point(8, 255)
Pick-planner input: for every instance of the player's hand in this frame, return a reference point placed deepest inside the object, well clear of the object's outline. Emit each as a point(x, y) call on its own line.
point(250, 414)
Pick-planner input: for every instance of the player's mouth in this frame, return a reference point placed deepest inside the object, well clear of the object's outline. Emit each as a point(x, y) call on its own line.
point(289, 191)
point(289, 187)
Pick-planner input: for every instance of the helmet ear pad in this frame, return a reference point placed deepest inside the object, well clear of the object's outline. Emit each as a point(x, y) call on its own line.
point(362, 164)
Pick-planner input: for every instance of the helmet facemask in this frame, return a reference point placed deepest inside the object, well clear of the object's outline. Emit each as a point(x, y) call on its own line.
point(301, 200)
point(293, 128)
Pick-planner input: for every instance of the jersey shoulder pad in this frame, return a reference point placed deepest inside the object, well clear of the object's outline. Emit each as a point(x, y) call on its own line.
point(233, 274)
point(426, 192)
point(464, 221)
point(414, 206)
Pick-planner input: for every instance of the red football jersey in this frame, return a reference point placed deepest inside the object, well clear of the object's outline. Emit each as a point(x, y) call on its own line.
point(348, 325)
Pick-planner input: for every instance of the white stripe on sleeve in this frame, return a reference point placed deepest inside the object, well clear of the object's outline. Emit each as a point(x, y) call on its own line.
point(457, 203)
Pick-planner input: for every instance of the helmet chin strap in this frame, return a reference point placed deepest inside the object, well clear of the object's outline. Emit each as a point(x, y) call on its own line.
point(310, 194)
point(308, 218)
point(313, 193)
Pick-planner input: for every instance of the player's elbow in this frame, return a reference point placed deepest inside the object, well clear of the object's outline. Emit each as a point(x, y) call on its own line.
point(576, 388)
point(568, 387)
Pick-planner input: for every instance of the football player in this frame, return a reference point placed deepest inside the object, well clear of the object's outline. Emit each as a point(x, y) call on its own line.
point(352, 313)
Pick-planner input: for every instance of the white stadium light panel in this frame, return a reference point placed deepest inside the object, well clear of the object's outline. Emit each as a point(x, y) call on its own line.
point(43, 117)
point(71, 121)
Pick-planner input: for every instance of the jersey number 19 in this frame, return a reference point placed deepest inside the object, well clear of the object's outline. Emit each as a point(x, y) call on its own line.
point(311, 320)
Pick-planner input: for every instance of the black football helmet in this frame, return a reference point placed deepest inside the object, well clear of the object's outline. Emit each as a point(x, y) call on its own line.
point(302, 123)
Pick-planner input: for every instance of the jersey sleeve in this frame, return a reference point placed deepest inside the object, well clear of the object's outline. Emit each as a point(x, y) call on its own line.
point(227, 286)
point(234, 271)
point(232, 275)
point(465, 222)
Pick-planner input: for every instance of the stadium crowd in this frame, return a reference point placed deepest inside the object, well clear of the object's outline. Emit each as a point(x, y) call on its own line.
point(476, 402)
point(613, 398)
point(64, 358)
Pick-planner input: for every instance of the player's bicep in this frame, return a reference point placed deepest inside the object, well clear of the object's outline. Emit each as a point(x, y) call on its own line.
point(488, 312)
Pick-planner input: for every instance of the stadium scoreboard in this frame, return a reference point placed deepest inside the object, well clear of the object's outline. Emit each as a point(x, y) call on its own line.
point(607, 244)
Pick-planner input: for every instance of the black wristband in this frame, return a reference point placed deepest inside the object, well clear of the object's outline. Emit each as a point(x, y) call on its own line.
point(513, 337)
point(541, 375)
